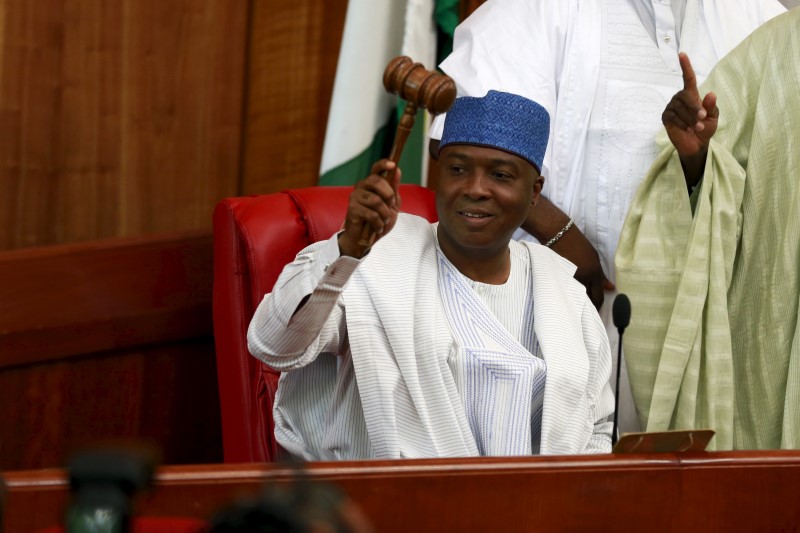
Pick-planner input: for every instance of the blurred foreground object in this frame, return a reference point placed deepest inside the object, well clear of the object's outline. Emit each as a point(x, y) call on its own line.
point(303, 506)
point(103, 483)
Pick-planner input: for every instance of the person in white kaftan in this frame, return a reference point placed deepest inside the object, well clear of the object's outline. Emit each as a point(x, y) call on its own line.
point(604, 70)
point(446, 339)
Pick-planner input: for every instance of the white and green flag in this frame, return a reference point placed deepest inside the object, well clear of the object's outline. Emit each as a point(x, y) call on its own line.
point(363, 116)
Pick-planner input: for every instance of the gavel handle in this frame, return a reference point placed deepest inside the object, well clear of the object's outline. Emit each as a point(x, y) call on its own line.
point(403, 129)
point(400, 137)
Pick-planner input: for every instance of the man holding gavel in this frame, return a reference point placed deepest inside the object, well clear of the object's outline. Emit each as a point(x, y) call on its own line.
point(446, 339)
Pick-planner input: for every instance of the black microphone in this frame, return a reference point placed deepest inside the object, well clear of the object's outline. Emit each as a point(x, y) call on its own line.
point(621, 314)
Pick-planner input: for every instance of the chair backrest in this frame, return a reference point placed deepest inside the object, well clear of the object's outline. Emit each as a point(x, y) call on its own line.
point(254, 238)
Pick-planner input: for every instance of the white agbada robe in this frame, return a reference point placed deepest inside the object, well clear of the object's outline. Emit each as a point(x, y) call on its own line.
point(596, 68)
point(377, 364)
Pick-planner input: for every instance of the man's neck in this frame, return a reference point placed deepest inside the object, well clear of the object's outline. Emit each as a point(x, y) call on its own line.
point(493, 270)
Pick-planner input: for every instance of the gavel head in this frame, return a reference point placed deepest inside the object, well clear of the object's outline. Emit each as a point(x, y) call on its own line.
point(424, 88)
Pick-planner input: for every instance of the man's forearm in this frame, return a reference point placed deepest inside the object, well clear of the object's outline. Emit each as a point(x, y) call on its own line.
point(545, 220)
point(551, 226)
point(693, 168)
point(288, 323)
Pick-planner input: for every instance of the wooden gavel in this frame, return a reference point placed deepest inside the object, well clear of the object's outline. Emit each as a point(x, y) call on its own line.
point(419, 88)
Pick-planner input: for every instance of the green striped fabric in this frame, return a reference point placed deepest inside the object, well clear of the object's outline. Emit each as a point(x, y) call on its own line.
point(714, 339)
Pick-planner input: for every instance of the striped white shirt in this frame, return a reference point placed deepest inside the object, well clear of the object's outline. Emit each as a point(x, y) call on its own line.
point(288, 341)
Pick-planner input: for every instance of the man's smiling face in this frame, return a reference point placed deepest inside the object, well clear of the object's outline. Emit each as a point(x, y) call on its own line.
point(482, 196)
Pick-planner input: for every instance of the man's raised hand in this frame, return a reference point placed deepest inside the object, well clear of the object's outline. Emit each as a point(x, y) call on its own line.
point(374, 203)
point(691, 122)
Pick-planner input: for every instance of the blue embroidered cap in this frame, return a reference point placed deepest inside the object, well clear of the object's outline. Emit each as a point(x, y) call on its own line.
point(501, 120)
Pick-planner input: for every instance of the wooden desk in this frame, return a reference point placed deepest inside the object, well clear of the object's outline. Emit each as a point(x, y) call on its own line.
point(742, 491)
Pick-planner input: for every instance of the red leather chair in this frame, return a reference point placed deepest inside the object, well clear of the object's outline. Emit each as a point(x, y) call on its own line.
point(254, 237)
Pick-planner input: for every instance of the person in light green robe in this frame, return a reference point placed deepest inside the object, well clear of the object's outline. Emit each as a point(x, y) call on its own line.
point(713, 270)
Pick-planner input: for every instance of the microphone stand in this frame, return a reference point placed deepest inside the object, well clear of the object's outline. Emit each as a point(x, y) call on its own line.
point(616, 392)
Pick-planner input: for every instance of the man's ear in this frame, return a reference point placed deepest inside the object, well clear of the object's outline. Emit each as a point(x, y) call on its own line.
point(538, 183)
point(433, 149)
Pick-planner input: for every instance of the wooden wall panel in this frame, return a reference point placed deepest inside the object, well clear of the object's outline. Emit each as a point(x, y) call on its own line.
point(69, 300)
point(186, 62)
point(108, 340)
point(117, 118)
point(293, 54)
point(136, 116)
point(163, 395)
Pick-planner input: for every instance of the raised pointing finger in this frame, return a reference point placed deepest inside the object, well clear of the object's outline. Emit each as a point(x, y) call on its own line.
point(689, 77)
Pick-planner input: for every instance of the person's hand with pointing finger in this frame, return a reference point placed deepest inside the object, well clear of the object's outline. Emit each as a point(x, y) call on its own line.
point(691, 122)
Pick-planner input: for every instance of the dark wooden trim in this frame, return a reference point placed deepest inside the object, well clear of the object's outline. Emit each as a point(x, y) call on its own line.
point(71, 300)
point(742, 491)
